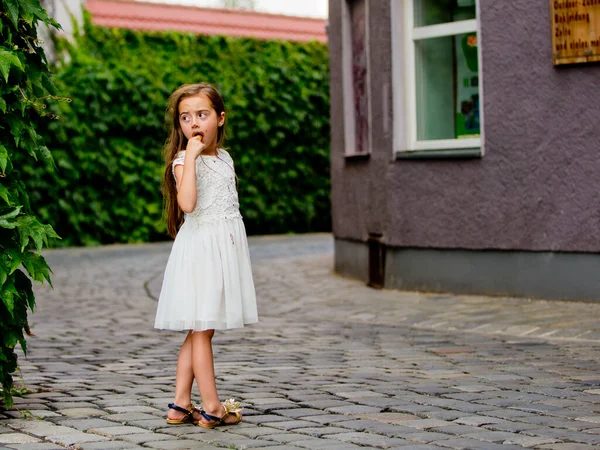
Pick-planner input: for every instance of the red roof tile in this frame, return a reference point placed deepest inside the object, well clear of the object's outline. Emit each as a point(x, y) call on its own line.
point(161, 17)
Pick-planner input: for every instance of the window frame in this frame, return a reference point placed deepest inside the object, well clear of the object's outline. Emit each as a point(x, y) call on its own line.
point(405, 36)
point(348, 107)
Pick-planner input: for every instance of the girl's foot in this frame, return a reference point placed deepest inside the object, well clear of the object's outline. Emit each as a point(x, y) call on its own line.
point(225, 415)
point(179, 415)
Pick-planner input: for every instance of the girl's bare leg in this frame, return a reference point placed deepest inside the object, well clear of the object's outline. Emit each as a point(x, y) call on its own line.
point(184, 380)
point(204, 371)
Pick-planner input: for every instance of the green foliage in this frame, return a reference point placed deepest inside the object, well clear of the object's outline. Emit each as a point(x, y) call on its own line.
point(25, 87)
point(107, 144)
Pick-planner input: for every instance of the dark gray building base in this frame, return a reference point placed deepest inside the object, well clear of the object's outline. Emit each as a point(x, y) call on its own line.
point(545, 275)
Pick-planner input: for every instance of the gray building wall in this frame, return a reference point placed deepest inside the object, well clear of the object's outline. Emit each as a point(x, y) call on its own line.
point(67, 13)
point(536, 189)
point(359, 186)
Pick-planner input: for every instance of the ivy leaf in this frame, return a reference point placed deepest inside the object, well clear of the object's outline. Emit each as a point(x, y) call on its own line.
point(2, 103)
point(11, 338)
point(14, 261)
point(37, 268)
point(16, 128)
point(8, 225)
point(13, 11)
point(14, 213)
point(8, 293)
point(54, 23)
point(4, 194)
point(3, 157)
point(31, 228)
point(3, 276)
point(31, 9)
point(8, 59)
point(50, 233)
point(24, 285)
point(30, 143)
point(48, 84)
point(3, 268)
point(23, 197)
point(4, 223)
point(47, 156)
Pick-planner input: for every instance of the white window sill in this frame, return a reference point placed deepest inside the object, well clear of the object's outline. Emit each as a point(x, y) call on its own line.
point(357, 156)
point(445, 153)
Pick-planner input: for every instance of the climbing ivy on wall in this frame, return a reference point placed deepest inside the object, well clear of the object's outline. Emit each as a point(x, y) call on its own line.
point(107, 144)
point(25, 90)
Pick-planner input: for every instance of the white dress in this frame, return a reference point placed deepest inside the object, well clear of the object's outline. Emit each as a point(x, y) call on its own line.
point(208, 279)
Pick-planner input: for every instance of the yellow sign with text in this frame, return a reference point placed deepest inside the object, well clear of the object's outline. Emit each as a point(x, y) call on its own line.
point(575, 31)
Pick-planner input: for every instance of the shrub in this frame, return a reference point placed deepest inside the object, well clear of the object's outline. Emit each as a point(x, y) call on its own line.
point(107, 145)
point(25, 87)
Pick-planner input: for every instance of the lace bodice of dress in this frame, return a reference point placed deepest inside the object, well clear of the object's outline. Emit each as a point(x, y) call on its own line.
point(216, 187)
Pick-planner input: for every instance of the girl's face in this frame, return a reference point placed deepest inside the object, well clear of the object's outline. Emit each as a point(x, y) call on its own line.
point(197, 116)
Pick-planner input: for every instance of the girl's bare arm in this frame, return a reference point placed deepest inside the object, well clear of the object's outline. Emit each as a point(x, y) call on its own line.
point(186, 181)
point(186, 175)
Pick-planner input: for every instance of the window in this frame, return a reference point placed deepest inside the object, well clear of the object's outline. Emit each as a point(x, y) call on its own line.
point(356, 77)
point(437, 78)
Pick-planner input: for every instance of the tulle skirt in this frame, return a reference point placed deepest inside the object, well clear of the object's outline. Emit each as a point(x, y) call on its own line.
point(208, 279)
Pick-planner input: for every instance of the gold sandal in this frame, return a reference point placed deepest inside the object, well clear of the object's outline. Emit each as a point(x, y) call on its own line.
point(231, 407)
point(188, 418)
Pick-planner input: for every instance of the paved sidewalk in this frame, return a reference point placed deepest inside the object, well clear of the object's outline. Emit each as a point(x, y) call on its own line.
point(331, 365)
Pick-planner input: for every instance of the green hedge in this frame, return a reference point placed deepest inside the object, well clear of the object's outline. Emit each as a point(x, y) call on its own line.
point(107, 143)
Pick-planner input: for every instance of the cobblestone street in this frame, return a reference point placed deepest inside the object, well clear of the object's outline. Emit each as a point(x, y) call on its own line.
point(332, 364)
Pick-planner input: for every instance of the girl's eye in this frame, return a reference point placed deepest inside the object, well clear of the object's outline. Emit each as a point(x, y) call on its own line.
point(202, 114)
point(185, 118)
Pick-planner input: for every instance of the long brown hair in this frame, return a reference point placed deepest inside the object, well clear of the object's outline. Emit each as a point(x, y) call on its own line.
point(177, 142)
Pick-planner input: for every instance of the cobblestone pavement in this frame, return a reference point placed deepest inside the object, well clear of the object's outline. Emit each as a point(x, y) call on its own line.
point(331, 365)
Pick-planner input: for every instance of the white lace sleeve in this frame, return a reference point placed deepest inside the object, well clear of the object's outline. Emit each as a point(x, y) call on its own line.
point(178, 161)
point(227, 157)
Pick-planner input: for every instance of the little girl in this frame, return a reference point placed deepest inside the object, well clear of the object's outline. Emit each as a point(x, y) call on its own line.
point(208, 280)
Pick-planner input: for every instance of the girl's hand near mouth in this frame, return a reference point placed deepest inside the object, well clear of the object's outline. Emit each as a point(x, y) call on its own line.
point(195, 146)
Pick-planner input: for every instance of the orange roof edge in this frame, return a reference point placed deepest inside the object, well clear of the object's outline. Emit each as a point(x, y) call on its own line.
point(152, 16)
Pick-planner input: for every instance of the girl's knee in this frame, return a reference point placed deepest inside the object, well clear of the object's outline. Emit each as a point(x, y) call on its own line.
point(204, 333)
